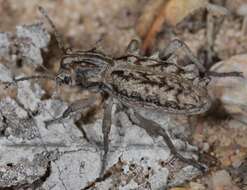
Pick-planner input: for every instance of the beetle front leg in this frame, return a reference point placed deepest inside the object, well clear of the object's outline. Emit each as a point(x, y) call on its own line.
point(155, 130)
point(74, 108)
point(106, 128)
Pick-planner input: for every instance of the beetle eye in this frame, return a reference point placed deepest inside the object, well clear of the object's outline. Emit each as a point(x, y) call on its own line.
point(67, 80)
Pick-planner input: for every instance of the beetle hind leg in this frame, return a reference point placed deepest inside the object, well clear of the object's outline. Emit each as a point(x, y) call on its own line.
point(155, 130)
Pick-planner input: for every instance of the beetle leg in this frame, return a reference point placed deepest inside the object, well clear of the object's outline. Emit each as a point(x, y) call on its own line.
point(106, 128)
point(155, 130)
point(226, 74)
point(176, 44)
point(58, 36)
point(73, 108)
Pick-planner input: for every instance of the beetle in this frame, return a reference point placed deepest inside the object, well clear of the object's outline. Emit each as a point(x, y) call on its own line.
point(133, 82)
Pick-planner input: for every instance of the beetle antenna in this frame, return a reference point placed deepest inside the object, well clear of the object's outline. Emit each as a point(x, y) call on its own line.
point(58, 36)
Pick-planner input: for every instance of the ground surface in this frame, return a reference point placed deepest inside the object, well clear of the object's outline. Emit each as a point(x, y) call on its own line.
point(61, 156)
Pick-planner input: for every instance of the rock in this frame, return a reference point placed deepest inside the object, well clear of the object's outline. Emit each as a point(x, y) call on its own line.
point(25, 172)
point(33, 38)
point(4, 43)
point(25, 44)
point(238, 174)
point(5, 74)
point(221, 180)
point(230, 40)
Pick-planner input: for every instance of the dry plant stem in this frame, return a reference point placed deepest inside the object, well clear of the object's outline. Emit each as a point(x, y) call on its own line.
point(147, 16)
point(210, 38)
point(154, 29)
